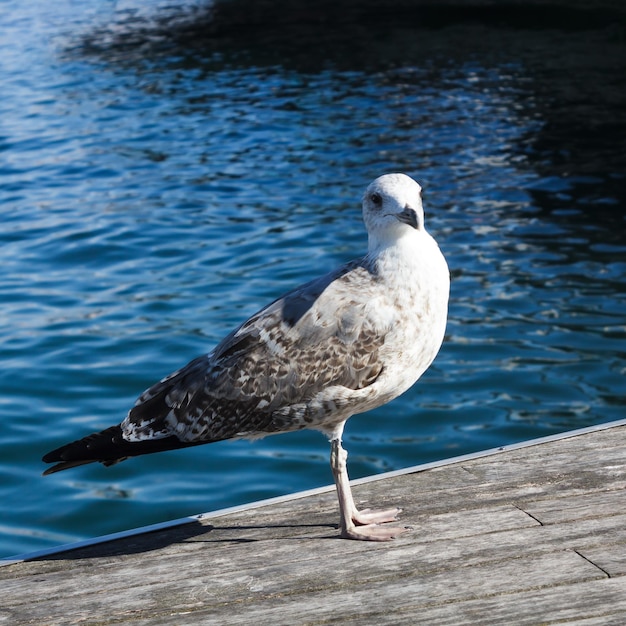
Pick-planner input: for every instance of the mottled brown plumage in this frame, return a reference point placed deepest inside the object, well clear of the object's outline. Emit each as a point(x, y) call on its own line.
point(264, 377)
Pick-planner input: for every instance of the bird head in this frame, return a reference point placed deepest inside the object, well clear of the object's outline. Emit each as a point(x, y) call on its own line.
point(392, 209)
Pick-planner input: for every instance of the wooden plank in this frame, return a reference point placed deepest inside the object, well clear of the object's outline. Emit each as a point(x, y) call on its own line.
point(592, 603)
point(610, 557)
point(579, 506)
point(231, 553)
point(261, 590)
point(229, 567)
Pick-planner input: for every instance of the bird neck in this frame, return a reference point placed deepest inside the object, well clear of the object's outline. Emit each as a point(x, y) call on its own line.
point(404, 248)
point(398, 262)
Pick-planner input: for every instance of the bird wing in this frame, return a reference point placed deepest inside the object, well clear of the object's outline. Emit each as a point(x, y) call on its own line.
point(267, 374)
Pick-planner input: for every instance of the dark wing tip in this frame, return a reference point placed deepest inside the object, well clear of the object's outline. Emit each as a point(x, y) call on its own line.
point(101, 447)
point(59, 467)
point(108, 447)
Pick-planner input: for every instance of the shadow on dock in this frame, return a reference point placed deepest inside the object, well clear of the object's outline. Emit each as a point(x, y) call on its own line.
point(192, 531)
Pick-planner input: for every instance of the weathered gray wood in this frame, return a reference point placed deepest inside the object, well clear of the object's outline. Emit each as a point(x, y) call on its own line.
point(609, 556)
point(580, 506)
point(535, 535)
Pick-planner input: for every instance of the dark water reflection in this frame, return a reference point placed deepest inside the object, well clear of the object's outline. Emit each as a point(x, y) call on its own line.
point(166, 171)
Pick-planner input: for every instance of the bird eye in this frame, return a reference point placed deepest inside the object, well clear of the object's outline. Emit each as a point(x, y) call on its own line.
point(376, 199)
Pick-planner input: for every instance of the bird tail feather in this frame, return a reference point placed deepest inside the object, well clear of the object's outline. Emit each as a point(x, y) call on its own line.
point(108, 447)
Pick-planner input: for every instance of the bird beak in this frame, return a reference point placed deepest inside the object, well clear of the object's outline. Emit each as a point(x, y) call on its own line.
point(408, 216)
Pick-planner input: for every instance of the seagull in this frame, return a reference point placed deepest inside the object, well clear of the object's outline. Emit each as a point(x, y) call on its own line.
point(342, 344)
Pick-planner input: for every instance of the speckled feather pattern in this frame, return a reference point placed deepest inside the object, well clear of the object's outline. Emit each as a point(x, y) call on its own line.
point(274, 373)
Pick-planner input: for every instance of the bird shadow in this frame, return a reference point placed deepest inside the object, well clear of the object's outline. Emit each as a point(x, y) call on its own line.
point(193, 531)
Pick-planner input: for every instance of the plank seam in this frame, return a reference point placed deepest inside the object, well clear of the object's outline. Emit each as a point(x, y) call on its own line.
point(582, 556)
point(519, 508)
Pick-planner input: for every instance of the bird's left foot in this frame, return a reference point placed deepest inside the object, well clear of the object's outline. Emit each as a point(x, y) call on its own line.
point(374, 532)
point(367, 517)
point(369, 525)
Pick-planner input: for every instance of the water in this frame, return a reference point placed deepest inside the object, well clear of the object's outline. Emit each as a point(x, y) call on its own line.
point(158, 185)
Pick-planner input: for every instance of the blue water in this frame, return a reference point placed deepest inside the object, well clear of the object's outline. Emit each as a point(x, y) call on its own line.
point(161, 179)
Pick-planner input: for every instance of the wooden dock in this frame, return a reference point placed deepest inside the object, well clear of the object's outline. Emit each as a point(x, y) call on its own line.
point(530, 534)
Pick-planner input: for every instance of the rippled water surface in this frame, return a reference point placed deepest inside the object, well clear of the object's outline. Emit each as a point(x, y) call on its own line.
point(161, 178)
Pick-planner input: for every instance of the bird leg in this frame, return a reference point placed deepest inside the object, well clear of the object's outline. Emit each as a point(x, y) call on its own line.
point(357, 524)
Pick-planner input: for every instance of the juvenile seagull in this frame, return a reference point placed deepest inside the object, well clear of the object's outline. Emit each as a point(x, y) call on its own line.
point(342, 344)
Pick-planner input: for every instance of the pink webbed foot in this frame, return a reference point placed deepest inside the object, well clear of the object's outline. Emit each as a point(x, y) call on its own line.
point(366, 525)
point(367, 517)
point(374, 532)
point(369, 525)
